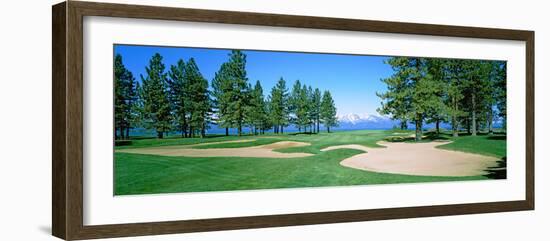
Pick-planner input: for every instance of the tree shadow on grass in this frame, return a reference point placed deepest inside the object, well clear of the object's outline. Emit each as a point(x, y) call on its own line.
point(497, 172)
point(497, 137)
point(434, 136)
point(302, 133)
point(427, 137)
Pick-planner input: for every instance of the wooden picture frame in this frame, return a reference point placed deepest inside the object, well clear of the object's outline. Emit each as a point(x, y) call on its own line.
point(67, 124)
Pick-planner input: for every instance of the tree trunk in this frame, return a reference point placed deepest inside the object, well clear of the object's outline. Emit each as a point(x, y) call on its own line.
point(454, 126)
point(226, 131)
point(160, 134)
point(437, 126)
point(418, 128)
point(121, 133)
point(490, 121)
point(317, 125)
point(468, 126)
point(474, 121)
point(403, 125)
point(454, 121)
point(282, 130)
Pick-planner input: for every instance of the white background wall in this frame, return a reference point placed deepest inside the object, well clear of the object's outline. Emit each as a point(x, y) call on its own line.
point(25, 120)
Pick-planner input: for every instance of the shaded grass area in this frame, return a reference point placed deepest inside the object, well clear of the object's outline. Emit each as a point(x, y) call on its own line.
point(490, 145)
point(146, 174)
point(482, 143)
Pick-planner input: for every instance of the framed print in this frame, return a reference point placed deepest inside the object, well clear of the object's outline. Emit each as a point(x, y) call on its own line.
point(171, 120)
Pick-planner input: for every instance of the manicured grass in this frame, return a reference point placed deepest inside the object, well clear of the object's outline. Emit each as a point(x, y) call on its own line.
point(256, 142)
point(145, 174)
point(491, 145)
point(174, 140)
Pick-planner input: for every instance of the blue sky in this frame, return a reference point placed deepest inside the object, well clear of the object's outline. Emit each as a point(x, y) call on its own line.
point(352, 80)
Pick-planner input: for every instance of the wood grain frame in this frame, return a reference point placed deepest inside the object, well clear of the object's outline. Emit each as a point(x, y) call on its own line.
point(67, 136)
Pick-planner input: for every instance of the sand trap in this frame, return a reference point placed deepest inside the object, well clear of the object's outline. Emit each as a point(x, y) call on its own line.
point(265, 151)
point(417, 159)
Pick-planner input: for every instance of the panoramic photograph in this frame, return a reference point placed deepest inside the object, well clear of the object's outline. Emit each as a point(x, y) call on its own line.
point(190, 119)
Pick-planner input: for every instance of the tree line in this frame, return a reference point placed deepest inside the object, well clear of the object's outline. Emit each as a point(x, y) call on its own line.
point(467, 94)
point(181, 99)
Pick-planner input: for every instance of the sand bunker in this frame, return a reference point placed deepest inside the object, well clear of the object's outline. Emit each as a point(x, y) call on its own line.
point(265, 151)
point(417, 159)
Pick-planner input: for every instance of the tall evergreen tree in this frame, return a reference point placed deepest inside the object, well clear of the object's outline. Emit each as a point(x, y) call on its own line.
point(454, 86)
point(328, 111)
point(278, 106)
point(221, 92)
point(294, 103)
point(500, 85)
point(301, 112)
point(179, 96)
point(477, 92)
point(240, 91)
point(238, 98)
point(396, 100)
point(125, 99)
point(496, 92)
point(316, 108)
point(412, 92)
point(197, 91)
point(155, 96)
point(310, 106)
point(257, 113)
point(437, 73)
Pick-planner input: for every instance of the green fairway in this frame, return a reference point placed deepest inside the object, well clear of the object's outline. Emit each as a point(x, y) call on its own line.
point(145, 174)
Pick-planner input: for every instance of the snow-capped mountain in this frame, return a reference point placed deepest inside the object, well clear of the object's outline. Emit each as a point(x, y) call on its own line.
point(364, 121)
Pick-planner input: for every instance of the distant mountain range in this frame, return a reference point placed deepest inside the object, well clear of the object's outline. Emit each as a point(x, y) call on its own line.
point(354, 121)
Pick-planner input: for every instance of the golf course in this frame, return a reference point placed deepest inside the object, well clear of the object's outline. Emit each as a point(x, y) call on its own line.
point(200, 119)
point(221, 163)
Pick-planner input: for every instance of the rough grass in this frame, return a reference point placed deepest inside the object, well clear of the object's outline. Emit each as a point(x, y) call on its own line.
point(146, 174)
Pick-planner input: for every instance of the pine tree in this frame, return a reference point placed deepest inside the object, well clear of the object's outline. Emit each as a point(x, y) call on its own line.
point(311, 108)
point(477, 91)
point(317, 107)
point(395, 101)
point(181, 102)
point(197, 91)
point(240, 92)
point(155, 96)
point(302, 109)
point(328, 111)
point(278, 108)
point(294, 104)
point(125, 99)
point(437, 73)
point(257, 113)
point(412, 92)
point(500, 95)
point(454, 86)
point(221, 92)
